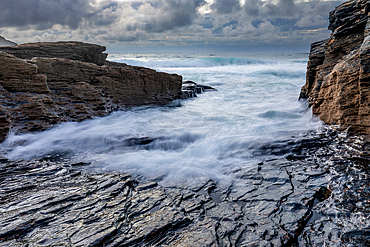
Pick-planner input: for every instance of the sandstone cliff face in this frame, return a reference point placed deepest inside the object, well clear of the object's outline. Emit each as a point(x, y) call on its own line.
point(338, 72)
point(36, 94)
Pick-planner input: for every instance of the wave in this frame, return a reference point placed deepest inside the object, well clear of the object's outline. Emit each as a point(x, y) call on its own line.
point(271, 114)
point(190, 63)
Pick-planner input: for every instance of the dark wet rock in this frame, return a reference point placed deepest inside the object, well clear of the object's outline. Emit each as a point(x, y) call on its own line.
point(319, 196)
point(190, 89)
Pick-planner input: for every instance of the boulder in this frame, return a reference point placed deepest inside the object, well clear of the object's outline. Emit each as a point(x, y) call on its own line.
point(190, 89)
point(338, 71)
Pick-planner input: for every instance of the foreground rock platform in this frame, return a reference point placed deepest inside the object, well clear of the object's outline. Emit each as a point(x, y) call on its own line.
point(311, 194)
point(338, 72)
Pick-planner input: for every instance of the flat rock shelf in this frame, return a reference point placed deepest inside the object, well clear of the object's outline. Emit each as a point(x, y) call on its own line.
point(312, 194)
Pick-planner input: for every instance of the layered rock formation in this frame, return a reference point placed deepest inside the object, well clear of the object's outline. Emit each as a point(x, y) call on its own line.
point(73, 50)
point(338, 72)
point(44, 84)
point(315, 196)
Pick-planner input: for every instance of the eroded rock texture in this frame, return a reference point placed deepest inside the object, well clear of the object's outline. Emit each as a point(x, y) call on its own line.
point(338, 72)
point(38, 93)
point(315, 192)
point(73, 50)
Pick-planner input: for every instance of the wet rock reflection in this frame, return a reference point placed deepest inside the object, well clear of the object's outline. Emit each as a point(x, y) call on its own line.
point(316, 194)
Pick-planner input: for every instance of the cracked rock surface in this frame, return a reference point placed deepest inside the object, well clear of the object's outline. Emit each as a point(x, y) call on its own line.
point(310, 193)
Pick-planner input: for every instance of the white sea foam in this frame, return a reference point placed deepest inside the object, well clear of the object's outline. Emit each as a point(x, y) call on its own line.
point(206, 137)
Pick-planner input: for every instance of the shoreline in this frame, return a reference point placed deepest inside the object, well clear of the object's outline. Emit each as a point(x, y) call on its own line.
point(321, 187)
point(313, 192)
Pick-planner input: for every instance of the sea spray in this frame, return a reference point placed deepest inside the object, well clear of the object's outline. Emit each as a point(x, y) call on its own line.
point(204, 138)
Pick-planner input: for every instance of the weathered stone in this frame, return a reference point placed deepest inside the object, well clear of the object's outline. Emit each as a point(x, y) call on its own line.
point(39, 93)
point(190, 89)
point(17, 75)
point(338, 73)
point(319, 199)
point(73, 50)
point(125, 86)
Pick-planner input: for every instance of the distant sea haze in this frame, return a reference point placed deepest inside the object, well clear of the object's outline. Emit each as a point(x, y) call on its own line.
point(256, 104)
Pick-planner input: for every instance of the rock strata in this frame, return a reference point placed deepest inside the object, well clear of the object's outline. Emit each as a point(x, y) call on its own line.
point(73, 50)
point(45, 84)
point(307, 194)
point(338, 72)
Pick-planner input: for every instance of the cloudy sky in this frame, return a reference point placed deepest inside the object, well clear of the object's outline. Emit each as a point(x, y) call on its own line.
point(170, 25)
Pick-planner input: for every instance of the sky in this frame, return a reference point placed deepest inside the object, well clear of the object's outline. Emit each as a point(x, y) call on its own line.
point(171, 25)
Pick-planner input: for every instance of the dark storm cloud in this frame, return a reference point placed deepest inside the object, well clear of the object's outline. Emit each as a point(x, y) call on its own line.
point(252, 7)
point(269, 9)
point(167, 22)
point(226, 6)
point(283, 8)
point(43, 14)
point(170, 14)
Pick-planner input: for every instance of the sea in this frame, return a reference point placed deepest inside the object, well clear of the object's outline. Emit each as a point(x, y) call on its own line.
point(208, 137)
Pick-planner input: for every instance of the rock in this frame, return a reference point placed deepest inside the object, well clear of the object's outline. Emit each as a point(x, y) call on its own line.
point(321, 199)
point(73, 50)
point(338, 72)
point(44, 84)
point(5, 42)
point(17, 75)
point(125, 86)
point(190, 89)
point(38, 93)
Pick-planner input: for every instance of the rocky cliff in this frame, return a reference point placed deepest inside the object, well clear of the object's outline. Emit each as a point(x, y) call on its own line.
point(84, 52)
point(338, 72)
point(43, 84)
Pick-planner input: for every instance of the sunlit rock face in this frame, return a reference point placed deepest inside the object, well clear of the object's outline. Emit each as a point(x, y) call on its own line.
point(338, 72)
point(44, 84)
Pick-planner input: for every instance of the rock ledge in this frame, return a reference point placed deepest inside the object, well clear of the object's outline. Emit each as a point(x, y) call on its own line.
point(43, 84)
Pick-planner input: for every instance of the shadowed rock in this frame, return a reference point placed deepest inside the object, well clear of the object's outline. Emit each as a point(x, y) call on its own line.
point(190, 89)
point(318, 199)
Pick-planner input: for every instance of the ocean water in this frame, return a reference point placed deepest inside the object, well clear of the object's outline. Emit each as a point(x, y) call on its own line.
point(208, 137)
